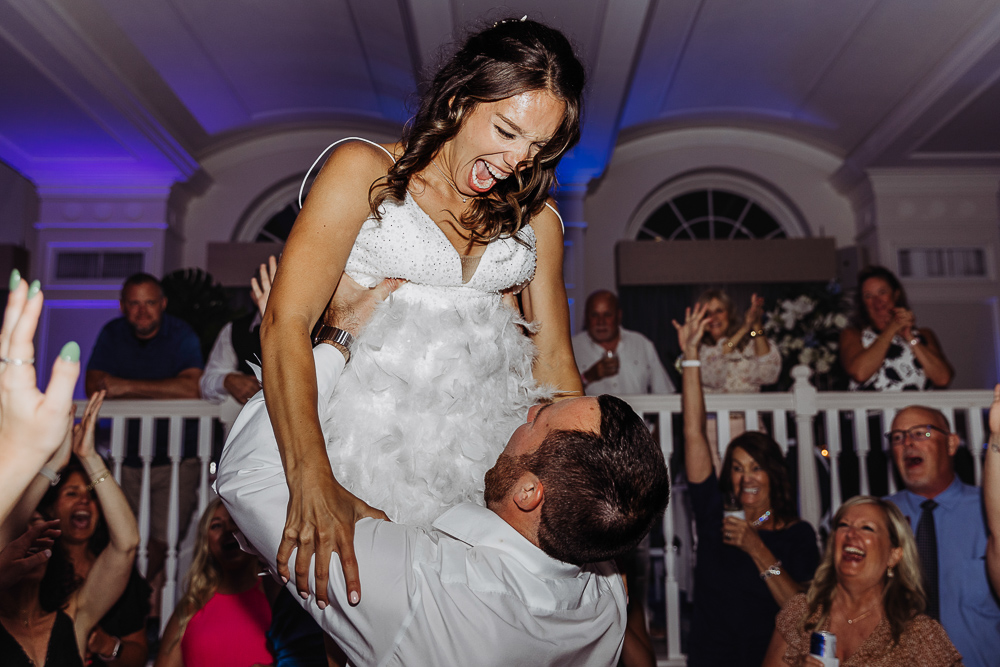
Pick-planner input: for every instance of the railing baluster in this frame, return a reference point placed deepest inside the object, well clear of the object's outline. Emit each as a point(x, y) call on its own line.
point(722, 425)
point(204, 457)
point(781, 430)
point(118, 446)
point(753, 420)
point(671, 589)
point(805, 395)
point(833, 448)
point(888, 414)
point(862, 448)
point(976, 441)
point(173, 519)
point(146, 453)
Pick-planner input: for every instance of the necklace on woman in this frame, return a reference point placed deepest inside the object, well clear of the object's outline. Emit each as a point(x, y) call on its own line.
point(766, 516)
point(852, 621)
point(448, 181)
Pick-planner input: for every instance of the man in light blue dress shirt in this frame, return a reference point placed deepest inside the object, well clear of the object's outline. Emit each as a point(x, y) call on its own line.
point(923, 449)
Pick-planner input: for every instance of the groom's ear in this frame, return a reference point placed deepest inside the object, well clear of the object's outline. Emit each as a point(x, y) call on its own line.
point(528, 493)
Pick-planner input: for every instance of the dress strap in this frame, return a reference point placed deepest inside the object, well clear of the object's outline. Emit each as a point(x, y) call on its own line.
point(551, 208)
point(302, 188)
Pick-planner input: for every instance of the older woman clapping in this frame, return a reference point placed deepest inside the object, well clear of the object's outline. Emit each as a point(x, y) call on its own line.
point(867, 592)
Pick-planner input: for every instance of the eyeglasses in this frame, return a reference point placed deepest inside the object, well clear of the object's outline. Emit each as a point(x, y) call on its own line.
point(916, 433)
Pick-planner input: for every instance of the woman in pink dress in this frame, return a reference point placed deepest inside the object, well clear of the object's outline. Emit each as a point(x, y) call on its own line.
point(222, 619)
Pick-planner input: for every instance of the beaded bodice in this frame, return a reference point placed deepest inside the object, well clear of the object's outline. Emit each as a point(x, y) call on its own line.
point(406, 243)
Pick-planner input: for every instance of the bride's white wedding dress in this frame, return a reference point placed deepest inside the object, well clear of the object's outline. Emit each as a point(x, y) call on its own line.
point(441, 375)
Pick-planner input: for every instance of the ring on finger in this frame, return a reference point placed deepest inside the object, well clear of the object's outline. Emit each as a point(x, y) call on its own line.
point(17, 362)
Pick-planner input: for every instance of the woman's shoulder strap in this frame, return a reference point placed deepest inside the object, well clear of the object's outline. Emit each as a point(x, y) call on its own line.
point(305, 179)
point(561, 223)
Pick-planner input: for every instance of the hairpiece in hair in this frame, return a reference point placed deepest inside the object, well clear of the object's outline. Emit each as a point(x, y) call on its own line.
point(522, 20)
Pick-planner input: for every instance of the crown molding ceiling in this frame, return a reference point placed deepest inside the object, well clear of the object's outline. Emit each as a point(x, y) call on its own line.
point(136, 94)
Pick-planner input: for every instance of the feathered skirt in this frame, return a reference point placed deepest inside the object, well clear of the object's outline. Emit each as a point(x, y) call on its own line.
point(437, 382)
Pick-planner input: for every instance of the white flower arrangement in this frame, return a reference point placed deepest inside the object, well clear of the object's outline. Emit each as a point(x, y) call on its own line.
point(806, 328)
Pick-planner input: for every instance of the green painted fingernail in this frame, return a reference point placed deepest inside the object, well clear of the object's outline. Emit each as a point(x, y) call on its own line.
point(34, 288)
point(70, 352)
point(15, 279)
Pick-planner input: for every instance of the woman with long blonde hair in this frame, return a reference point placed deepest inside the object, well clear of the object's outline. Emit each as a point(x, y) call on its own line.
point(867, 591)
point(223, 617)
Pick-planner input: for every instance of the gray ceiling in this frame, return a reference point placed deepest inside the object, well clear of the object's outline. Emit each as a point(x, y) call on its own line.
point(137, 92)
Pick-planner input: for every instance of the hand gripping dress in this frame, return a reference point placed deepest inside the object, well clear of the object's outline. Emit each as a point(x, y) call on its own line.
point(441, 375)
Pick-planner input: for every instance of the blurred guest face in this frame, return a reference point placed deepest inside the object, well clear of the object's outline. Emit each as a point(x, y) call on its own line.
point(143, 307)
point(925, 463)
point(751, 484)
point(76, 509)
point(603, 318)
point(863, 551)
point(879, 299)
point(222, 540)
point(718, 319)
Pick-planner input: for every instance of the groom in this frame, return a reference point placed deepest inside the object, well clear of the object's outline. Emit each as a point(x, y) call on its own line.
point(521, 581)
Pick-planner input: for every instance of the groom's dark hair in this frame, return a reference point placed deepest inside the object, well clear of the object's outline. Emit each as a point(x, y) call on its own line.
point(604, 490)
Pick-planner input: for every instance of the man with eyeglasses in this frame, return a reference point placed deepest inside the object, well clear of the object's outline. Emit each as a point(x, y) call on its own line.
point(947, 519)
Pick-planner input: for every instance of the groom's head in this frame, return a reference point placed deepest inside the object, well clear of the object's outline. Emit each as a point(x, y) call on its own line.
point(582, 478)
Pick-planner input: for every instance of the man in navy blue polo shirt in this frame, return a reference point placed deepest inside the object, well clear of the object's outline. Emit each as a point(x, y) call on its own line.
point(147, 353)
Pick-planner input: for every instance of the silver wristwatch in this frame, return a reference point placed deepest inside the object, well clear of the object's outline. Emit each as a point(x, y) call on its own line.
point(339, 337)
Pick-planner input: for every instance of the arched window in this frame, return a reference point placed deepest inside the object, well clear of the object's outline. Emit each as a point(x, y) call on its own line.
point(710, 214)
point(716, 205)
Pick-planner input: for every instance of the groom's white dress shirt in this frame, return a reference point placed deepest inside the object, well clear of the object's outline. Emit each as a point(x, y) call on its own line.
point(470, 591)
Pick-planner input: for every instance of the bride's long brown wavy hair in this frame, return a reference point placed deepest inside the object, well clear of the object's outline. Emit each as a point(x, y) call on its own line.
point(512, 57)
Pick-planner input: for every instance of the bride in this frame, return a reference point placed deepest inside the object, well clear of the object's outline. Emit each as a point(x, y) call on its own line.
point(444, 371)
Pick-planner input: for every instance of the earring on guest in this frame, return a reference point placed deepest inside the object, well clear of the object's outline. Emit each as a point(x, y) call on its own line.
point(890, 573)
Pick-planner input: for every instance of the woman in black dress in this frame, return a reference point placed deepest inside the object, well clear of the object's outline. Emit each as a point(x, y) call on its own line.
point(746, 567)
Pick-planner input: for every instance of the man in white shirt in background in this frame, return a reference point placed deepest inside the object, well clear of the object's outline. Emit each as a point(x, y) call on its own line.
point(614, 360)
point(227, 371)
point(521, 581)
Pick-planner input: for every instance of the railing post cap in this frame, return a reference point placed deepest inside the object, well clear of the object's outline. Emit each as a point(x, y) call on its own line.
point(801, 371)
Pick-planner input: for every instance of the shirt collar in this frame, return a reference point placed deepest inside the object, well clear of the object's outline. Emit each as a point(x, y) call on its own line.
point(479, 527)
point(947, 498)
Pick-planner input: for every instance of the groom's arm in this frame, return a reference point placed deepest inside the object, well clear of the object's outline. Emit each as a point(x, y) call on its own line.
point(252, 485)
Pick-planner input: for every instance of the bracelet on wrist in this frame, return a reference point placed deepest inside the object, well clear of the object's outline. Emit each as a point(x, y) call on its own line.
point(690, 363)
point(98, 478)
point(50, 474)
point(772, 571)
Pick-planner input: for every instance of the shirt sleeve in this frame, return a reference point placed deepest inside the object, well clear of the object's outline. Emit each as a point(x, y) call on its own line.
point(766, 369)
point(659, 381)
point(787, 625)
point(253, 486)
point(803, 557)
point(221, 362)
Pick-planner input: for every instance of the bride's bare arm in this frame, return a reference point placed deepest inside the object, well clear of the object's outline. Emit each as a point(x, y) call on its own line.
point(321, 513)
point(545, 302)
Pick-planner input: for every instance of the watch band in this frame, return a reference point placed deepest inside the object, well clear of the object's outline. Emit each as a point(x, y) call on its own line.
point(328, 334)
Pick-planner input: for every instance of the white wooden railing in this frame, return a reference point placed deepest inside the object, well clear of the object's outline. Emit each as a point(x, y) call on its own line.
point(806, 406)
point(803, 407)
point(176, 412)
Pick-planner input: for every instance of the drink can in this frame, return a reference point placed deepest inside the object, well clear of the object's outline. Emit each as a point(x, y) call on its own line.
point(823, 645)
